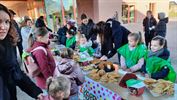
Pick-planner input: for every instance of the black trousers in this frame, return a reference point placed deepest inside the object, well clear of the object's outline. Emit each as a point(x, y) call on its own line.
point(148, 38)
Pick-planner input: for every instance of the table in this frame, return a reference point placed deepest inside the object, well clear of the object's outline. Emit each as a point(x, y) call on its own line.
point(92, 90)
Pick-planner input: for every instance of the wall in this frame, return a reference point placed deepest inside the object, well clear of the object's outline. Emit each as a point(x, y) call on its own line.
point(85, 6)
point(107, 9)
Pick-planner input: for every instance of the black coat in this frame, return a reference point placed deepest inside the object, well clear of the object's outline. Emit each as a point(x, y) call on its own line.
point(11, 73)
point(62, 35)
point(118, 37)
point(161, 27)
point(149, 23)
point(87, 30)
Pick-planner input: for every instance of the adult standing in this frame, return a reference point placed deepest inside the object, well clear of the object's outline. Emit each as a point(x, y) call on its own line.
point(25, 32)
point(10, 72)
point(86, 26)
point(161, 27)
point(20, 40)
point(112, 36)
point(149, 24)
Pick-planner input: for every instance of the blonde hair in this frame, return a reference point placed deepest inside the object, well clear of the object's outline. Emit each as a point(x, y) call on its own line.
point(66, 53)
point(58, 84)
point(137, 37)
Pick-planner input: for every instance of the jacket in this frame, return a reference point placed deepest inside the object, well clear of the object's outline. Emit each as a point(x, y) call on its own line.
point(87, 30)
point(118, 38)
point(62, 35)
point(11, 73)
point(72, 70)
point(45, 62)
point(161, 27)
point(149, 23)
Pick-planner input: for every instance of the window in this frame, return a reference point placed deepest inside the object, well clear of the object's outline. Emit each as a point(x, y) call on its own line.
point(128, 13)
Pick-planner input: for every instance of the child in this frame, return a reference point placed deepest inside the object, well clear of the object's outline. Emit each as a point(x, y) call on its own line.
point(58, 88)
point(71, 69)
point(85, 46)
point(42, 56)
point(71, 39)
point(132, 54)
point(157, 64)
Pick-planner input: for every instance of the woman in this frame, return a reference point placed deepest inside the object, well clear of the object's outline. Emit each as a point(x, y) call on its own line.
point(10, 72)
point(43, 56)
point(149, 24)
point(112, 36)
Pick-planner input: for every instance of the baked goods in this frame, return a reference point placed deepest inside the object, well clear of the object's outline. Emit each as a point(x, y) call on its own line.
point(95, 61)
point(160, 87)
point(102, 76)
point(149, 81)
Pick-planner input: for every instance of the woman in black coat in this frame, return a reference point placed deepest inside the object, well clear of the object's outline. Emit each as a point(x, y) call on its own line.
point(149, 24)
point(112, 36)
point(10, 72)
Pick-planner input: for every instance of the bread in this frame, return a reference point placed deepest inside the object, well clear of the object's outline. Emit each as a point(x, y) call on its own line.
point(149, 81)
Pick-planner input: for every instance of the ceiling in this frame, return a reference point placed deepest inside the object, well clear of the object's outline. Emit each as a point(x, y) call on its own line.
point(12, 3)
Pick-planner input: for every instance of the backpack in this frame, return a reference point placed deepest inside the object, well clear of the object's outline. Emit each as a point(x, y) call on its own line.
point(30, 65)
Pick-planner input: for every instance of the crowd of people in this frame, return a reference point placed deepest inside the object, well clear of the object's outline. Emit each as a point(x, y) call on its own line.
point(100, 40)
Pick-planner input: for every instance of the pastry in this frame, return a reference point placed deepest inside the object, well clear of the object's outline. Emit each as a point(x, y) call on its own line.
point(149, 81)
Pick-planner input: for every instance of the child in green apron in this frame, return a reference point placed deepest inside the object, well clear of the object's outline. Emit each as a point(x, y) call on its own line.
point(157, 64)
point(71, 38)
point(85, 46)
point(132, 54)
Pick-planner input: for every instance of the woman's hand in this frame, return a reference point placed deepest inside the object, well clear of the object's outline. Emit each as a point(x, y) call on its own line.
point(104, 57)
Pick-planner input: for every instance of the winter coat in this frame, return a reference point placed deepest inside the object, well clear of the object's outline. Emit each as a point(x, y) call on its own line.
point(87, 30)
point(161, 27)
point(45, 62)
point(72, 70)
point(11, 73)
point(62, 35)
point(116, 40)
point(147, 23)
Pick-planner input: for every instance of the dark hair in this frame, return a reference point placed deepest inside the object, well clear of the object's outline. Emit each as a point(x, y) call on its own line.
point(104, 30)
point(40, 23)
point(72, 31)
point(27, 19)
point(12, 12)
point(162, 41)
point(41, 31)
point(137, 37)
point(12, 34)
point(83, 16)
point(149, 11)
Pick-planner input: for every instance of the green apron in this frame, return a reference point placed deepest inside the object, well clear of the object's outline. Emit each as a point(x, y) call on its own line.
point(155, 64)
point(88, 49)
point(132, 56)
point(70, 41)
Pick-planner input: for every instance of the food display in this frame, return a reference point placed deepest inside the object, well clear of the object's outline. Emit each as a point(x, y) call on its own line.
point(102, 76)
point(105, 65)
point(159, 87)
